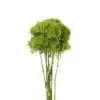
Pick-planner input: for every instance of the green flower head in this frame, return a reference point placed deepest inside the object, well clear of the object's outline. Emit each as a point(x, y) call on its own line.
point(50, 35)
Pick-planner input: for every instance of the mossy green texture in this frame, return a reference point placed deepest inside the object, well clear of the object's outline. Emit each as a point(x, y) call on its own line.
point(50, 38)
point(50, 34)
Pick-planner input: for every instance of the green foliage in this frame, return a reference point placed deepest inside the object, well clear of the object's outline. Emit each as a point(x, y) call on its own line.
point(50, 35)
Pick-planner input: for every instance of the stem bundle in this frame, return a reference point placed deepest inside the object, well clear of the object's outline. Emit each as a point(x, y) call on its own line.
point(49, 75)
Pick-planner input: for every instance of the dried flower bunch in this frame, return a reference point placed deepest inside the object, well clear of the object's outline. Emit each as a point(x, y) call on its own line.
point(50, 38)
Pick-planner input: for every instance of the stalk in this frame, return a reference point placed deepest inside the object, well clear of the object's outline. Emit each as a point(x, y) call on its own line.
point(48, 76)
point(49, 79)
point(42, 67)
point(56, 77)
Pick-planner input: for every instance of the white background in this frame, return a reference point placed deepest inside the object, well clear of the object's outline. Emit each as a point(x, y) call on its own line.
point(20, 71)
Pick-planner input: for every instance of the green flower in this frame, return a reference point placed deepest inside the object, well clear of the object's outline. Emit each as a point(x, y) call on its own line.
point(50, 34)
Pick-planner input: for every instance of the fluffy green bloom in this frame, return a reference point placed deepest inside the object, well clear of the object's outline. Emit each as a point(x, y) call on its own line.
point(50, 35)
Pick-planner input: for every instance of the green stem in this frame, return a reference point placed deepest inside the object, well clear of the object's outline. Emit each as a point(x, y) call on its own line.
point(42, 68)
point(52, 70)
point(46, 64)
point(56, 77)
point(49, 80)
